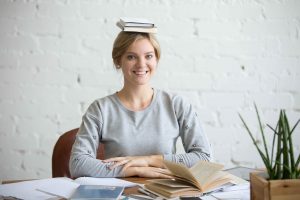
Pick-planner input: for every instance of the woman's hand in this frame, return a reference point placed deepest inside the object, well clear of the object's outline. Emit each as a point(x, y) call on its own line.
point(147, 172)
point(136, 161)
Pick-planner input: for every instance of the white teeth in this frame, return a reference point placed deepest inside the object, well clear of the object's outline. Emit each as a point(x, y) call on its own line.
point(140, 72)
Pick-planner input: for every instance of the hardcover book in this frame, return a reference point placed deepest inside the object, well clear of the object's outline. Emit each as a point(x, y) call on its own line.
point(136, 22)
point(136, 25)
point(203, 177)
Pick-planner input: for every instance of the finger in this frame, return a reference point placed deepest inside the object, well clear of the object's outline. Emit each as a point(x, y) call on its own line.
point(156, 173)
point(163, 171)
point(164, 176)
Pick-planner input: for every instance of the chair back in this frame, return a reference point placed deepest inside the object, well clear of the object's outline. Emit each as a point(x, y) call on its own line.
point(62, 151)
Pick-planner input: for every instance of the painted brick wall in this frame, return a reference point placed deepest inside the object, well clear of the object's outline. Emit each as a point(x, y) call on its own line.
point(55, 59)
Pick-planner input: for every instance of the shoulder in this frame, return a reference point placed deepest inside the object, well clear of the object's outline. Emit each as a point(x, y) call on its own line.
point(103, 101)
point(100, 104)
point(178, 101)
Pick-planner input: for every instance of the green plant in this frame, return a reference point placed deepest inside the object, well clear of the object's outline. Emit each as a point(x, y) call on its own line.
point(280, 162)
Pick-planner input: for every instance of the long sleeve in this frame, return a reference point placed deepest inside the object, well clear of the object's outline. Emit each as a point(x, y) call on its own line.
point(194, 139)
point(83, 160)
point(153, 131)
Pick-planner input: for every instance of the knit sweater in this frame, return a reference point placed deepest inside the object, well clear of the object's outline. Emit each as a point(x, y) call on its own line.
point(152, 131)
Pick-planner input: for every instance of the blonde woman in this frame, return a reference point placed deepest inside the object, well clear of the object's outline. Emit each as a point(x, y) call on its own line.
point(138, 125)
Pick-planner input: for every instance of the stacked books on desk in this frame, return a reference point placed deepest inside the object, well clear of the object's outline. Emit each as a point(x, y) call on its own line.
point(136, 25)
point(202, 178)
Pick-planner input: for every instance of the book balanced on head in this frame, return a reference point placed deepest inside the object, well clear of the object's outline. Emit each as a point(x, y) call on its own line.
point(203, 177)
point(136, 25)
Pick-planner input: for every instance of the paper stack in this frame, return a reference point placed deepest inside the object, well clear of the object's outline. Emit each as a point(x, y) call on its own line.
point(62, 187)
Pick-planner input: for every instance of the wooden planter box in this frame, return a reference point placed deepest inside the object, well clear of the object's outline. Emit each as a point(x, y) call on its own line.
point(262, 189)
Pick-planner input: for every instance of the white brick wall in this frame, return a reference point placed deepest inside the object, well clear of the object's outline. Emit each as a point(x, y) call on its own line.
point(55, 59)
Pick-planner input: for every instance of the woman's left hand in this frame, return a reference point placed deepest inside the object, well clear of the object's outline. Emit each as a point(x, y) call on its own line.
point(136, 161)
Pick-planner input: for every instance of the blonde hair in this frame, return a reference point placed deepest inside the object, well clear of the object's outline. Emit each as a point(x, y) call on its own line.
point(125, 39)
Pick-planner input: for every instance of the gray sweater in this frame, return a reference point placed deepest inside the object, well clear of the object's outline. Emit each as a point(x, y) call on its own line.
point(151, 131)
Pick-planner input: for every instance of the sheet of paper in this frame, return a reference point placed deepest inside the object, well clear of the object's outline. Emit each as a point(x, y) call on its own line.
point(208, 198)
point(26, 190)
point(104, 181)
point(233, 195)
point(244, 186)
point(55, 188)
point(236, 192)
point(59, 187)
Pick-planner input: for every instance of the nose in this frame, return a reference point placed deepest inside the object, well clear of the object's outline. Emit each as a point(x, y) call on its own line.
point(141, 62)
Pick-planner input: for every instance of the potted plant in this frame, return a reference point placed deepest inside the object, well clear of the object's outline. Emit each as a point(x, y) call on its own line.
point(281, 180)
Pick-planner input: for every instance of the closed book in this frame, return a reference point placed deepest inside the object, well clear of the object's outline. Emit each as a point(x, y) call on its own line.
point(140, 29)
point(97, 192)
point(136, 22)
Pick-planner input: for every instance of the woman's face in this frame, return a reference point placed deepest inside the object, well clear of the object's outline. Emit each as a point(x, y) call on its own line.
point(138, 63)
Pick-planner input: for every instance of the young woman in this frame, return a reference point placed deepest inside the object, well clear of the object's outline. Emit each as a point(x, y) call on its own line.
point(138, 125)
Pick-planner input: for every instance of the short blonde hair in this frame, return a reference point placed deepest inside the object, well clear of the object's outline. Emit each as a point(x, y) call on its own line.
point(125, 39)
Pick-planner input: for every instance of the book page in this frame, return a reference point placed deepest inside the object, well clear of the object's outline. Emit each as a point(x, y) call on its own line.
point(170, 192)
point(170, 183)
point(203, 171)
point(219, 179)
point(183, 172)
point(236, 180)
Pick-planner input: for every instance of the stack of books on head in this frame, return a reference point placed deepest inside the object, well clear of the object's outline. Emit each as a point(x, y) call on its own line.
point(136, 25)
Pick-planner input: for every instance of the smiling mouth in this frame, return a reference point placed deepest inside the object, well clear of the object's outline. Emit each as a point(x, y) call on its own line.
point(140, 73)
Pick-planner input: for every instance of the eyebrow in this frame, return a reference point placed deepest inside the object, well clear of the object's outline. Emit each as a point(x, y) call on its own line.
point(129, 52)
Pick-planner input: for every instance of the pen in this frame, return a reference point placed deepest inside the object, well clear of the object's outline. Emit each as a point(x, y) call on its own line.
point(147, 193)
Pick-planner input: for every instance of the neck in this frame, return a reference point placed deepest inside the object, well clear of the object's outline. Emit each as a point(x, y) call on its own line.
point(136, 99)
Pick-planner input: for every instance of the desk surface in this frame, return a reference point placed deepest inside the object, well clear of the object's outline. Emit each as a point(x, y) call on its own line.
point(127, 191)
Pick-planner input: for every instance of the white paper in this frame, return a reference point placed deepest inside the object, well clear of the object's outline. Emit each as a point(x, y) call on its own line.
point(234, 195)
point(208, 198)
point(236, 192)
point(245, 186)
point(104, 181)
point(60, 187)
point(55, 188)
point(26, 190)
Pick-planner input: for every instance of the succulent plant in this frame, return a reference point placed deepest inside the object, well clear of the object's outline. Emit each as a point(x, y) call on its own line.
point(280, 161)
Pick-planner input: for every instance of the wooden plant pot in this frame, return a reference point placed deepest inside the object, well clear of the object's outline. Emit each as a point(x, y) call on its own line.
point(263, 189)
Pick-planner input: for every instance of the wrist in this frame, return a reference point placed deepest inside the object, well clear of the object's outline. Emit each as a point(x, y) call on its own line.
point(130, 171)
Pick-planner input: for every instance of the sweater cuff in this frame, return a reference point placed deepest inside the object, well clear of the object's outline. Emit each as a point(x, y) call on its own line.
point(168, 157)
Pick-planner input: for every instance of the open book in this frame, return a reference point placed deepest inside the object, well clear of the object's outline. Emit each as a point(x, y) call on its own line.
point(201, 178)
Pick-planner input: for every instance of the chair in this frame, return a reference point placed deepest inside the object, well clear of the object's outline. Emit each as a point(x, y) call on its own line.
point(62, 151)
